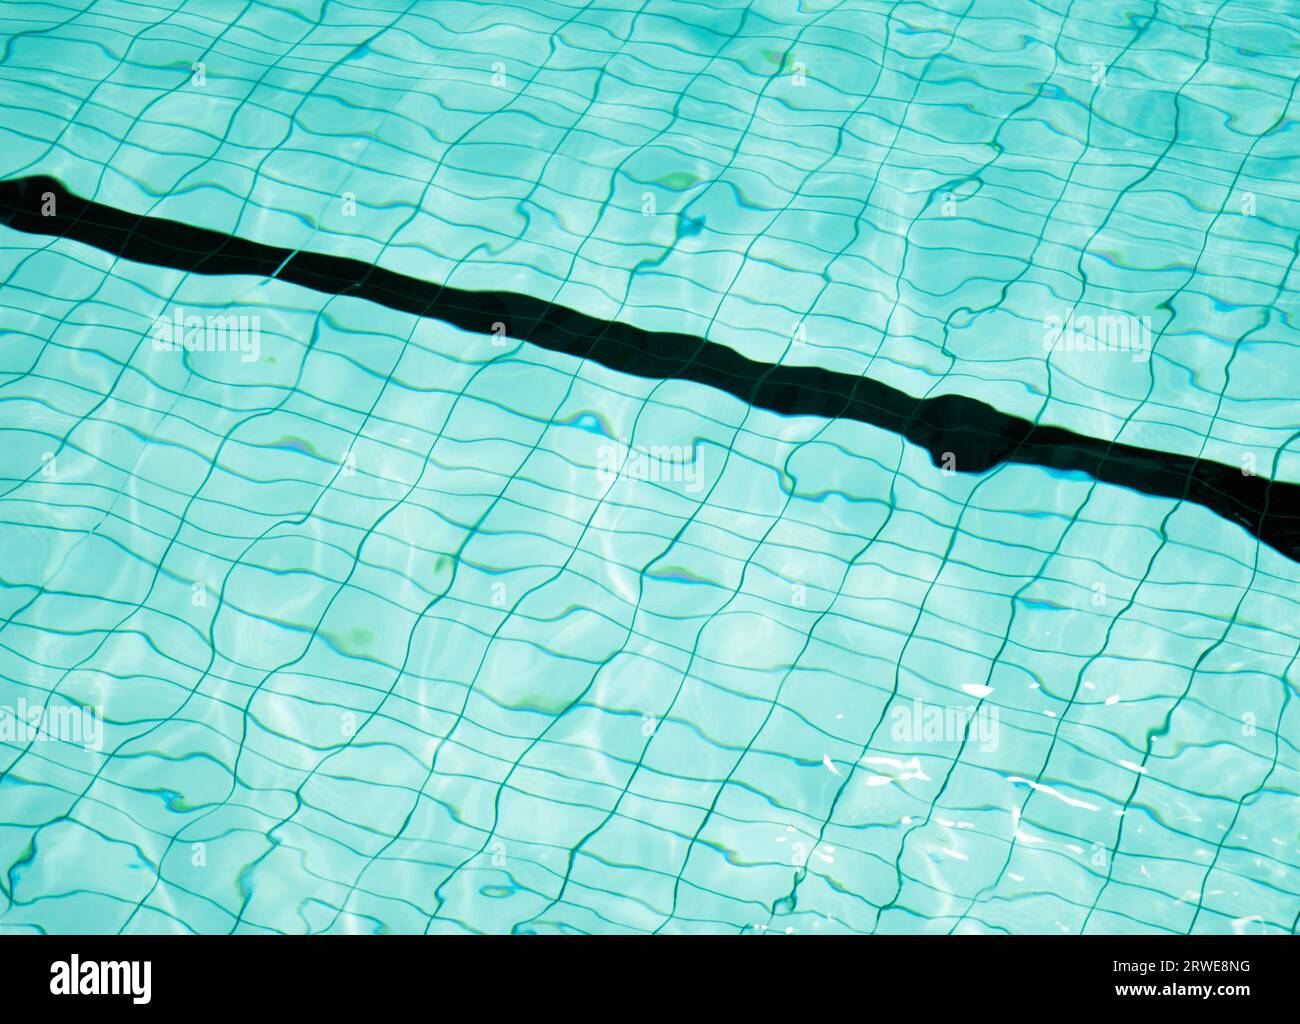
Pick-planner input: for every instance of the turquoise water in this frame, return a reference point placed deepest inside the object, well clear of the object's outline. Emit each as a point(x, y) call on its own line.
point(395, 627)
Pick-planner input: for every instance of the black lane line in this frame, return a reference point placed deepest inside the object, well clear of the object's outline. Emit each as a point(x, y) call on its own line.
point(977, 435)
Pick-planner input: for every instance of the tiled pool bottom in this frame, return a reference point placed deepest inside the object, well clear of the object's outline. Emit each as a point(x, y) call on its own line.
point(466, 679)
point(376, 638)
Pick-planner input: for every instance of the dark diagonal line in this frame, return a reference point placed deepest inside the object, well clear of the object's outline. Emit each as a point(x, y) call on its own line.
point(976, 436)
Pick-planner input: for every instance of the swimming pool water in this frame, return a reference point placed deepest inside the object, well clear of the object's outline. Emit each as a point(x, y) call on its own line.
point(370, 623)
